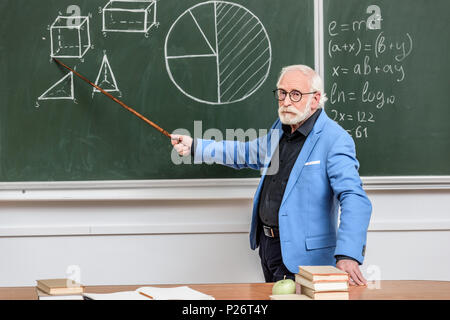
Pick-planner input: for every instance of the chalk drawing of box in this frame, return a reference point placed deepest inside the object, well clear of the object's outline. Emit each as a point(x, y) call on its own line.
point(129, 16)
point(69, 37)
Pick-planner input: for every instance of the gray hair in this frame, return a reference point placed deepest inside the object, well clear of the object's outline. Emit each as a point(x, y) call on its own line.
point(315, 80)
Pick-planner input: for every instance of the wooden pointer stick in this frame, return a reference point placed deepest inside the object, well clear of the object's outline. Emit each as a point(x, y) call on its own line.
point(154, 125)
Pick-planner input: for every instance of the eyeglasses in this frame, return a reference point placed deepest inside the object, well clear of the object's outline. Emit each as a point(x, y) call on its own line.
point(294, 95)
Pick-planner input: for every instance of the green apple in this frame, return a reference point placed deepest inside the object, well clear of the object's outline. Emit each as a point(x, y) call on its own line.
point(285, 286)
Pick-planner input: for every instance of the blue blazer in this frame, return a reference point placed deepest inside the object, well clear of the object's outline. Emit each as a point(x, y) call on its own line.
point(323, 179)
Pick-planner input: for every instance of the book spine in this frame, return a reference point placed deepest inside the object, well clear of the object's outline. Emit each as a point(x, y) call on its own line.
point(306, 275)
point(43, 288)
point(307, 292)
point(304, 282)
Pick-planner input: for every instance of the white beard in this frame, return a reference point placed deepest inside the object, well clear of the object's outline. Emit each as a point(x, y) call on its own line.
point(298, 115)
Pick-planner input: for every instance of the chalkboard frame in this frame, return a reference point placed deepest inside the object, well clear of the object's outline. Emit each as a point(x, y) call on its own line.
point(185, 189)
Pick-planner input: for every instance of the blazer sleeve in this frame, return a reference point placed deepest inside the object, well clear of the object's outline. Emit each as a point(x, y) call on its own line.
point(356, 209)
point(255, 154)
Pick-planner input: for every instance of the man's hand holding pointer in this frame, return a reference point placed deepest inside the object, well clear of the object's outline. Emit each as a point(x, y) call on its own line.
point(182, 144)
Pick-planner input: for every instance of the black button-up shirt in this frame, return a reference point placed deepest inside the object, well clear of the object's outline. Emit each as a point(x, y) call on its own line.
point(274, 185)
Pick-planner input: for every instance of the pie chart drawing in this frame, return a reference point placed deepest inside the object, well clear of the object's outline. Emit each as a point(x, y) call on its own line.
point(217, 53)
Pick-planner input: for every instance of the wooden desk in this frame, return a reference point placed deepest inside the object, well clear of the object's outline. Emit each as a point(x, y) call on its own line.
point(389, 290)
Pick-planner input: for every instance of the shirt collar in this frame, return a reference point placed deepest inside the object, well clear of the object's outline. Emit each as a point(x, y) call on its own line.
point(306, 127)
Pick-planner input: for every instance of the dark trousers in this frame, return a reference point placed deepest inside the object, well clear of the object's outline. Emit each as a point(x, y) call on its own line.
point(271, 260)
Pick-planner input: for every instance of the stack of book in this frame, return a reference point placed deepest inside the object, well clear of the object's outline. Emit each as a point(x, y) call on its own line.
point(322, 283)
point(59, 289)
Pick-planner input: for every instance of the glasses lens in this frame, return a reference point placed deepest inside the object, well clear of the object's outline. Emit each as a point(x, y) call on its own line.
point(295, 95)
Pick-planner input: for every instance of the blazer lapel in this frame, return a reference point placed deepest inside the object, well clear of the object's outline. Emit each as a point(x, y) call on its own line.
point(308, 147)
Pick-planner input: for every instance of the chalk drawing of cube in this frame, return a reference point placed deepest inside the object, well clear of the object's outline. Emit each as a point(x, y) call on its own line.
point(70, 37)
point(129, 16)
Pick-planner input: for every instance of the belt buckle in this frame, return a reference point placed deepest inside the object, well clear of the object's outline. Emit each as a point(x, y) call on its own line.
point(268, 231)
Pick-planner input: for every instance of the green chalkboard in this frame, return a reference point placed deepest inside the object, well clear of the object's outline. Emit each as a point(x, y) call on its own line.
point(387, 76)
point(173, 61)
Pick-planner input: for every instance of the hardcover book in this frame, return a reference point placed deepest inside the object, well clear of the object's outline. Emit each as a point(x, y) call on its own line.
point(322, 273)
point(59, 286)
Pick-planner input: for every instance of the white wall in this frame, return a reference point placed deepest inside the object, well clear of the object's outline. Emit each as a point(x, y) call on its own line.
point(198, 241)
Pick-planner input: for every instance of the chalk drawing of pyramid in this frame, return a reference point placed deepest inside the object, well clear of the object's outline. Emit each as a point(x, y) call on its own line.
point(105, 78)
point(63, 89)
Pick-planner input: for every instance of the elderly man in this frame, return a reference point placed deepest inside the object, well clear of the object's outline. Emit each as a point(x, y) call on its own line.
point(295, 211)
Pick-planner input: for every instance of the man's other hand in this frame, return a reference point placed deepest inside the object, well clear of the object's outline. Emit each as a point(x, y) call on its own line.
point(352, 268)
point(182, 144)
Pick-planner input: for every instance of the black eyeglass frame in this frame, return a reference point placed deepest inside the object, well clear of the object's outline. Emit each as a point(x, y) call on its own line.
point(289, 93)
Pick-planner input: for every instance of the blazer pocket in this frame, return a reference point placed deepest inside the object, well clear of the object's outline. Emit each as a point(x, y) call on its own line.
point(312, 167)
point(322, 241)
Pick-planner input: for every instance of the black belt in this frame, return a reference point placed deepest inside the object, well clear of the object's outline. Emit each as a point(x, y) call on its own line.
point(271, 232)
